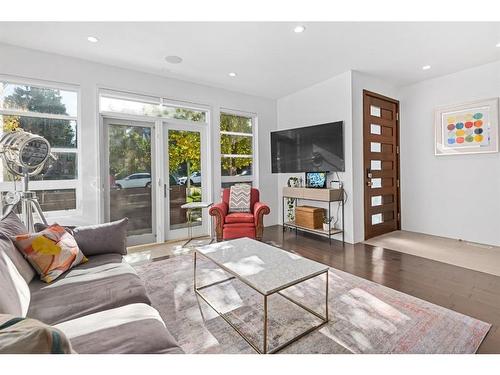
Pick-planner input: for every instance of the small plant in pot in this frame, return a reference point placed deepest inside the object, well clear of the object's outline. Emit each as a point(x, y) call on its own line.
point(326, 223)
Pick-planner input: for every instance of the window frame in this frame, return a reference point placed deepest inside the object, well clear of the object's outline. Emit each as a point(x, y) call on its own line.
point(253, 178)
point(76, 183)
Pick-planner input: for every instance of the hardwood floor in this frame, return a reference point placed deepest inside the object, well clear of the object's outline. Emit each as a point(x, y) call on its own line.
point(466, 291)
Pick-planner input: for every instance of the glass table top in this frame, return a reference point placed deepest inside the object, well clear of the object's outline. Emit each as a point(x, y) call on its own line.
point(265, 268)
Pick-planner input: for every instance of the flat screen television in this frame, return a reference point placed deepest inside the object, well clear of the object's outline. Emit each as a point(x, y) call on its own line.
point(309, 149)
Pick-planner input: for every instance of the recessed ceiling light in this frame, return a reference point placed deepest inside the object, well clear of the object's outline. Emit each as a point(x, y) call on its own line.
point(173, 59)
point(92, 39)
point(497, 45)
point(232, 74)
point(299, 29)
point(426, 67)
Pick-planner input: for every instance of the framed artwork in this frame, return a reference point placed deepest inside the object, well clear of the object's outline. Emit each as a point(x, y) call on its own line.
point(469, 128)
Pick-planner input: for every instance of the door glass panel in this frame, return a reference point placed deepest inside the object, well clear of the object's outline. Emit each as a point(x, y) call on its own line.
point(375, 129)
point(184, 161)
point(376, 183)
point(377, 219)
point(375, 147)
point(130, 177)
point(375, 111)
point(376, 165)
point(376, 200)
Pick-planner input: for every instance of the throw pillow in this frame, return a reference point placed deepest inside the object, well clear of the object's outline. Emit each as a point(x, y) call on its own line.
point(51, 252)
point(41, 226)
point(30, 336)
point(103, 238)
point(14, 291)
point(239, 198)
point(10, 226)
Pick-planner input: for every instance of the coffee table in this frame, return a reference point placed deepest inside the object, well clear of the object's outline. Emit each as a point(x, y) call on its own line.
point(267, 270)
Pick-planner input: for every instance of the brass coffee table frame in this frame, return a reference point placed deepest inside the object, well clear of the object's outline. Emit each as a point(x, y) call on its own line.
point(265, 350)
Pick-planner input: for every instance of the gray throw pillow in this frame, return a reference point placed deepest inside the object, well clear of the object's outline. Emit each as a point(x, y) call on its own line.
point(102, 238)
point(11, 226)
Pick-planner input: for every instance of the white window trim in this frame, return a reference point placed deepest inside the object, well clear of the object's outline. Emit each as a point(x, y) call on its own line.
point(51, 116)
point(236, 156)
point(253, 178)
point(52, 184)
point(236, 134)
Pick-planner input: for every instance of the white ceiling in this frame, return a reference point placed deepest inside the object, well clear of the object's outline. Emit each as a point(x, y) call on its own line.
point(270, 59)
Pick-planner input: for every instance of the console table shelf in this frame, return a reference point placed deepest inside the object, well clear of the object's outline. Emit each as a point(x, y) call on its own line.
point(319, 195)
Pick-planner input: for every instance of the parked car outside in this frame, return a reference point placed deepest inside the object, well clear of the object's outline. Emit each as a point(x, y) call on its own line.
point(195, 179)
point(135, 180)
point(140, 180)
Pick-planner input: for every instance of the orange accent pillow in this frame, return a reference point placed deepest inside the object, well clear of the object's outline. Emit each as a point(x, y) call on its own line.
point(51, 252)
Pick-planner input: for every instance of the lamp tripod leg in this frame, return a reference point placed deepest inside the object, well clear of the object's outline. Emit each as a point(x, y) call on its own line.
point(38, 209)
point(9, 209)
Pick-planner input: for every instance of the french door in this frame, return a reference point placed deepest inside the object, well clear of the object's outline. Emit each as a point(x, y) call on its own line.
point(130, 174)
point(185, 178)
point(152, 169)
point(381, 164)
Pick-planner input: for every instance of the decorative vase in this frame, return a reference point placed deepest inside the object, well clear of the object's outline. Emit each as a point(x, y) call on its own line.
point(326, 227)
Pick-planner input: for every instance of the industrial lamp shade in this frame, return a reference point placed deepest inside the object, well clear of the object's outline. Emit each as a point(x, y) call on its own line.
point(23, 152)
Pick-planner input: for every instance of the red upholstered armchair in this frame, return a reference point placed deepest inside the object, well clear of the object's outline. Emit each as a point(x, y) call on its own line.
point(239, 224)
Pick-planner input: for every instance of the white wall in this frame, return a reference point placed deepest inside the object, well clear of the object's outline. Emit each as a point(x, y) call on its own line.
point(89, 76)
point(456, 196)
point(360, 82)
point(450, 196)
point(327, 101)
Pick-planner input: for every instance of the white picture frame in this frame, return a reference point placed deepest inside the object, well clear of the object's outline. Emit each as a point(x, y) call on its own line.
point(467, 128)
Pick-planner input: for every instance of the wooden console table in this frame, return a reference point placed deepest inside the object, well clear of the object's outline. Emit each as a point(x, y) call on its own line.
point(318, 195)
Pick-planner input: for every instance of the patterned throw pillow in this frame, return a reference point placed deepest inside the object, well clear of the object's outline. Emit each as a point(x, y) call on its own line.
point(51, 252)
point(30, 336)
point(239, 198)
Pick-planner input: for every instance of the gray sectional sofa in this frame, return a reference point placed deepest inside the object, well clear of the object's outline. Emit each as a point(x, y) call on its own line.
point(101, 306)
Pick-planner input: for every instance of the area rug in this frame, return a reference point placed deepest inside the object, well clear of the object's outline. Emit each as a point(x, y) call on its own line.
point(365, 317)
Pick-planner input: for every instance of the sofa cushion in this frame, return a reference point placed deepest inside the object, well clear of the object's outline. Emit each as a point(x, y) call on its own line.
point(14, 291)
point(30, 336)
point(12, 226)
point(136, 328)
point(239, 217)
point(103, 238)
point(51, 252)
point(101, 284)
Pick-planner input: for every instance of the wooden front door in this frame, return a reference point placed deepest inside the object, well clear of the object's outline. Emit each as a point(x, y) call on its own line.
point(381, 164)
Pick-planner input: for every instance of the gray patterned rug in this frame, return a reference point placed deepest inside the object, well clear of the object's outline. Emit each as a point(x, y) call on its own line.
point(365, 317)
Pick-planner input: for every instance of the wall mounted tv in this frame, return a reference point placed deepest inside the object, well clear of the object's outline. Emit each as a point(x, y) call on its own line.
point(307, 149)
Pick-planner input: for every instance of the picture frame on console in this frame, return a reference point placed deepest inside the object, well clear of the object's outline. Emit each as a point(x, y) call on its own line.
point(316, 180)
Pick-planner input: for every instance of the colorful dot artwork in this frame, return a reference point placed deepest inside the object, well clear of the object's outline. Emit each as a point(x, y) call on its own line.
point(465, 129)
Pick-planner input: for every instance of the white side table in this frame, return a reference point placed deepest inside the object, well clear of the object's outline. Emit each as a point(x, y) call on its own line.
point(190, 207)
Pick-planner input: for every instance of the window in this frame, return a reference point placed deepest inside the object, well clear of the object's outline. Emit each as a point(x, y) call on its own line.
point(237, 149)
point(144, 106)
point(53, 114)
